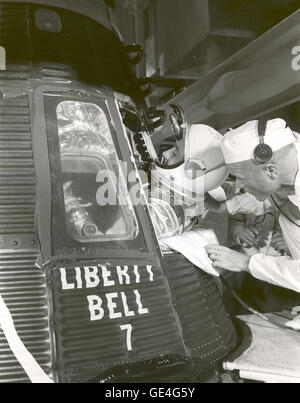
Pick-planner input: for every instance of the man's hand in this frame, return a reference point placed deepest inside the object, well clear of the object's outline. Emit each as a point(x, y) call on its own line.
point(278, 243)
point(248, 236)
point(225, 258)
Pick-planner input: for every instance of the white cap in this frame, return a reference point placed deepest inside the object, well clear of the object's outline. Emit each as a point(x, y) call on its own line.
point(238, 145)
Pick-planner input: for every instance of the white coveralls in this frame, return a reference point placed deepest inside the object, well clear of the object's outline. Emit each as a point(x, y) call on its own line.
point(282, 271)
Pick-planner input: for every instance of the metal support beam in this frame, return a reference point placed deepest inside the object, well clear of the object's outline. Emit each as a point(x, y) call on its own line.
point(261, 77)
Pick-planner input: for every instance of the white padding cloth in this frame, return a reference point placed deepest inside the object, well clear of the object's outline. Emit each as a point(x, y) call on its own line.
point(192, 244)
point(273, 355)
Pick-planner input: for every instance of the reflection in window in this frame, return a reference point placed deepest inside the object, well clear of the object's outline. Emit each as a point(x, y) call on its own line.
point(86, 149)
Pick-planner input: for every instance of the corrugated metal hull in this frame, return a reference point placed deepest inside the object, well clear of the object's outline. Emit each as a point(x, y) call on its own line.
point(22, 286)
point(83, 348)
point(23, 289)
point(17, 176)
point(207, 328)
point(86, 348)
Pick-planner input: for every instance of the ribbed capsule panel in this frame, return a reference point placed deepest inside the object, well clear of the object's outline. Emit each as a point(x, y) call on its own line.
point(207, 327)
point(87, 346)
point(17, 176)
point(15, 38)
point(23, 289)
point(22, 286)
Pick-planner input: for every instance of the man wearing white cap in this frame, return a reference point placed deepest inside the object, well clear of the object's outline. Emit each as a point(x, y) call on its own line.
point(267, 161)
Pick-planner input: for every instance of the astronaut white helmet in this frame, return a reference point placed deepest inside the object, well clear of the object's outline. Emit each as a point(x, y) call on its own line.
point(203, 168)
point(199, 168)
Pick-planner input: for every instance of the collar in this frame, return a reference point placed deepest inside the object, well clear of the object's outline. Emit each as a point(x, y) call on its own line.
point(295, 199)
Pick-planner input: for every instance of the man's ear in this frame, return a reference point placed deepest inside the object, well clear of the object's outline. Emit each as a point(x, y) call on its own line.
point(271, 171)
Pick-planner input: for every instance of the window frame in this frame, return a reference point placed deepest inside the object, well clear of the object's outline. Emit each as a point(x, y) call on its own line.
point(148, 249)
point(125, 210)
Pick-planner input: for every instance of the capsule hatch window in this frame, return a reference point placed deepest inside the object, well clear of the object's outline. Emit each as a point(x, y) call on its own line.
point(96, 200)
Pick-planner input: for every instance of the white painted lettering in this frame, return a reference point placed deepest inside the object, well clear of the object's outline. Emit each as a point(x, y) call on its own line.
point(106, 274)
point(64, 283)
point(137, 276)
point(123, 273)
point(149, 269)
point(95, 307)
point(112, 306)
point(127, 312)
point(78, 277)
point(142, 311)
point(91, 277)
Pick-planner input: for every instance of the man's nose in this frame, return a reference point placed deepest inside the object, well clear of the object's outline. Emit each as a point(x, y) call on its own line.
point(239, 184)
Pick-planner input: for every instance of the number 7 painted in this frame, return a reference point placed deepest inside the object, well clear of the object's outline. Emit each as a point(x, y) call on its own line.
point(128, 328)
